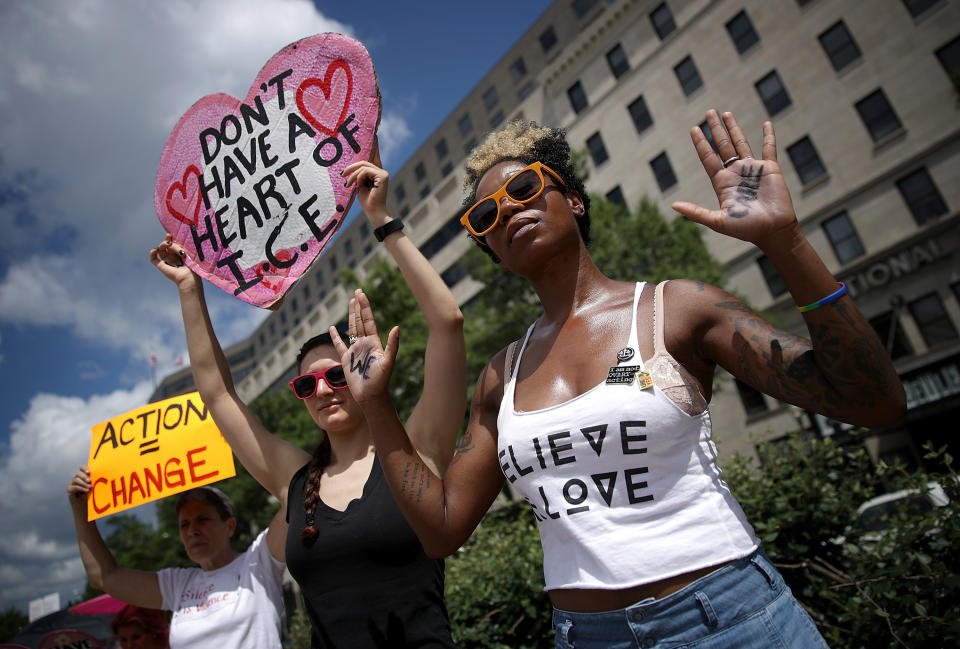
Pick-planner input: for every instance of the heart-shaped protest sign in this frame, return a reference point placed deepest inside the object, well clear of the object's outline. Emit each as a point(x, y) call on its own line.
point(251, 188)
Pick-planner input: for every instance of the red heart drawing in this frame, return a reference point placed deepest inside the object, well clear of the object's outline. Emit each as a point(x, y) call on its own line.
point(277, 274)
point(182, 207)
point(323, 108)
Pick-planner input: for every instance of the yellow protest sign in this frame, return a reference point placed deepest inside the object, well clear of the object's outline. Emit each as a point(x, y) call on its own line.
point(155, 451)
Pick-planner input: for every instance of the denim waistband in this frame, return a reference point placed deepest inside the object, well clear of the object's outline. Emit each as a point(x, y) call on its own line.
point(727, 594)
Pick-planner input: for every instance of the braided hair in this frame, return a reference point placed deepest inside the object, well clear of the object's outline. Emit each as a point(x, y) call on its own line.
point(526, 142)
point(320, 458)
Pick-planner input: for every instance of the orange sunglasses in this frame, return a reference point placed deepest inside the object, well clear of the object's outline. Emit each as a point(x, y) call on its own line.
point(522, 187)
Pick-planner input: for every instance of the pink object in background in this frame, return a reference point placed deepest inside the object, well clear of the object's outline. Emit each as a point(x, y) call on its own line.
point(252, 189)
point(101, 605)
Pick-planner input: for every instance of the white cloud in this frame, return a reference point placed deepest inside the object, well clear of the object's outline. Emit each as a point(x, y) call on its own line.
point(91, 90)
point(47, 444)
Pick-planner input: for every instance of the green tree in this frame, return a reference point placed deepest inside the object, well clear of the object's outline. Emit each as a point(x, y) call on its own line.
point(11, 621)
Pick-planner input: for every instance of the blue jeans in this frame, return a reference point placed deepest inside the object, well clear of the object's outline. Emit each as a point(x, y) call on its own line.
point(743, 605)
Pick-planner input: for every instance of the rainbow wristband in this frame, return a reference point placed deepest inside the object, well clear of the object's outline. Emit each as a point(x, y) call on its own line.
point(833, 297)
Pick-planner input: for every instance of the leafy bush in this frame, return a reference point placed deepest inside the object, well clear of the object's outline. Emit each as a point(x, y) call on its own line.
point(495, 590)
point(898, 588)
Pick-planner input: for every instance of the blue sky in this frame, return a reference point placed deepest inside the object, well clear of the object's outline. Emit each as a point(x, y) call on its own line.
point(89, 91)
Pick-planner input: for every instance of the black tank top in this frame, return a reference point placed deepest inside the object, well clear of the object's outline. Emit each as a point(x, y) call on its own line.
point(366, 580)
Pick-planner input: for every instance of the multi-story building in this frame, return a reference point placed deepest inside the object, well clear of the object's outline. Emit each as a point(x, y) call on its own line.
point(865, 99)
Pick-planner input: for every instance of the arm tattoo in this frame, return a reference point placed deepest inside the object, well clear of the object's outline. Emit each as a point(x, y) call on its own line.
point(361, 366)
point(416, 478)
point(465, 445)
point(819, 375)
point(747, 191)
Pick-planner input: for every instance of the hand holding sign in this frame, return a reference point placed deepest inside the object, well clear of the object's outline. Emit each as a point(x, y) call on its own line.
point(251, 188)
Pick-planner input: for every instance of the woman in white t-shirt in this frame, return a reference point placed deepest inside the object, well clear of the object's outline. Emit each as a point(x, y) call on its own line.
point(231, 599)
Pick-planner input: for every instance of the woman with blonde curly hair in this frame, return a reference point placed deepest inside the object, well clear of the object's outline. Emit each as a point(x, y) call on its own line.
point(599, 415)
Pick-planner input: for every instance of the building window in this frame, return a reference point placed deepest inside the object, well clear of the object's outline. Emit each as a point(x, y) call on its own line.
point(688, 76)
point(442, 237)
point(490, 98)
point(497, 119)
point(878, 116)
point(922, 196)
point(400, 192)
point(446, 169)
point(752, 400)
point(293, 302)
point(420, 171)
point(949, 57)
point(617, 60)
point(917, 7)
point(424, 191)
point(932, 320)
point(465, 124)
point(581, 7)
point(333, 263)
point(662, 21)
point(518, 70)
point(806, 161)
point(283, 318)
point(708, 134)
point(578, 98)
point(615, 196)
point(367, 249)
point(470, 146)
point(663, 172)
point(441, 148)
point(742, 32)
point(843, 237)
point(364, 230)
point(404, 211)
point(347, 248)
point(839, 46)
point(771, 276)
point(453, 275)
point(804, 3)
point(525, 91)
point(319, 277)
point(898, 346)
point(598, 152)
point(640, 115)
point(306, 291)
point(772, 93)
point(548, 38)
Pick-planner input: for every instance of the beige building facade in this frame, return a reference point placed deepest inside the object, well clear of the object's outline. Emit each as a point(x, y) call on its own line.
point(865, 98)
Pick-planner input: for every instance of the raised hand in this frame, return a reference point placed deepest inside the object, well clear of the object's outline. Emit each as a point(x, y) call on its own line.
point(169, 258)
point(79, 487)
point(368, 366)
point(371, 181)
point(755, 204)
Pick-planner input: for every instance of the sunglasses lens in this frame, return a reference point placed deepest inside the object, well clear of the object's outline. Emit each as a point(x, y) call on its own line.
point(305, 385)
point(524, 185)
point(335, 377)
point(483, 216)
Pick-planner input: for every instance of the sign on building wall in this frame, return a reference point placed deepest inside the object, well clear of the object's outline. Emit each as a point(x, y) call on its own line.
point(251, 188)
point(155, 451)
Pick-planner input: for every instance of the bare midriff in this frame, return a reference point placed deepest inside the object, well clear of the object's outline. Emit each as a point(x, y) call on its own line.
point(595, 600)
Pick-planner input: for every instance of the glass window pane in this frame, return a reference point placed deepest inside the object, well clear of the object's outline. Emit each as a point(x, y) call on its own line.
point(806, 161)
point(932, 320)
point(598, 152)
point(640, 115)
point(772, 277)
point(772, 93)
point(617, 60)
point(663, 171)
point(922, 196)
point(878, 116)
point(662, 20)
point(839, 46)
point(843, 237)
point(548, 39)
point(688, 76)
point(742, 32)
point(578, 98)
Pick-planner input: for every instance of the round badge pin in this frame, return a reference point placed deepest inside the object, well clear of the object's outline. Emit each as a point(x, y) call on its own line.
point(625, 354)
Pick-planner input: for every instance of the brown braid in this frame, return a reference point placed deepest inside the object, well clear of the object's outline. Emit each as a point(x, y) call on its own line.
point(321, 455)
point(319, 461)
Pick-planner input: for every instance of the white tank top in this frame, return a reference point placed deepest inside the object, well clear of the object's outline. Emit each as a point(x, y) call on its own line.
point(625, 485)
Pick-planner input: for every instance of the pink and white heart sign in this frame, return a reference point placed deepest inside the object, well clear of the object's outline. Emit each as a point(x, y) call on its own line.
point(252, 189)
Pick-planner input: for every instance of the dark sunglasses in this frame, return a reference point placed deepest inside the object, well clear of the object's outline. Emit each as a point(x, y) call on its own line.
point(522, 187)
point(305, 385)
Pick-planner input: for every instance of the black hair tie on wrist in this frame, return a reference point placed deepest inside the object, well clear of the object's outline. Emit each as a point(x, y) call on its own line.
point(386, 229)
